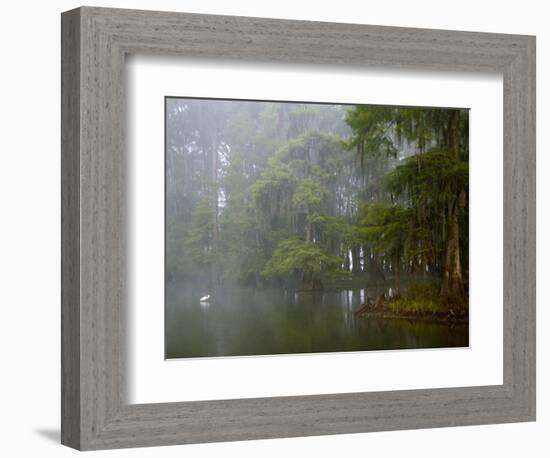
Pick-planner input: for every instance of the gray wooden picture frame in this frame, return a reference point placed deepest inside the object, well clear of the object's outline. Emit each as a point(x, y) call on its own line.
point(95, 412)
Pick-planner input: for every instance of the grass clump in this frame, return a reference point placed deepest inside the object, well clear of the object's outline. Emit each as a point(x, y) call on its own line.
point(421, 298)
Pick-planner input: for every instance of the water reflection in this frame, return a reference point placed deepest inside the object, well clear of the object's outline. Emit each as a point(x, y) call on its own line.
point(250, 322)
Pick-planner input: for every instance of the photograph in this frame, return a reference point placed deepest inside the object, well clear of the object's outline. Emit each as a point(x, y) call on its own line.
point(300, 227)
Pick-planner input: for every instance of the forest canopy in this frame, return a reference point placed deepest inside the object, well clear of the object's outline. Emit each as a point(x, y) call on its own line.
point(314, 196)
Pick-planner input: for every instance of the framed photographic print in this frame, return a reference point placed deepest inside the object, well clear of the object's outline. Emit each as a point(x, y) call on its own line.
point(285, 221)
point(284, 228)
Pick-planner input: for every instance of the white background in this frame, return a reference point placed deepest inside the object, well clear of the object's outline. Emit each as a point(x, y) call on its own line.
point(155, 380)
point(29, 233)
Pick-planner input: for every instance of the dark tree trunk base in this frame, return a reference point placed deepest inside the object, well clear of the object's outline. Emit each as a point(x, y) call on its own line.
point(312, 285)
point(453, 294)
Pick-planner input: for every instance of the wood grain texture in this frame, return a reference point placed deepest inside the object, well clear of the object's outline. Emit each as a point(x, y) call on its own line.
point(95, 413)
point(70, 229)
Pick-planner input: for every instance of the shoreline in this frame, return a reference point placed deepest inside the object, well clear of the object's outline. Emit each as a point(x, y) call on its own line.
point(441, 317)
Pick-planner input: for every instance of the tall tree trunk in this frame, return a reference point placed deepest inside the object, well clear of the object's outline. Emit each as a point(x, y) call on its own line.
point(356, 267)
point(216, 229)
point(397, 271)
point(452, 291)
point(373, 269)
point(309, 231)
point(311, 283)
point(346, 259)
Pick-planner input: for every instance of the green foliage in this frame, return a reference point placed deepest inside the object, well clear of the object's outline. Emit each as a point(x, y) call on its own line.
point(309, 195)
point(429, 178)
point(417, 125)
point(296, 256)
point(240, 251)
point(198, 244)
point(429, 184)
point(372, 129)
point(293, 191)
point(273, 189)
point(386, 227)
point(431, 128)
point(337, 228)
